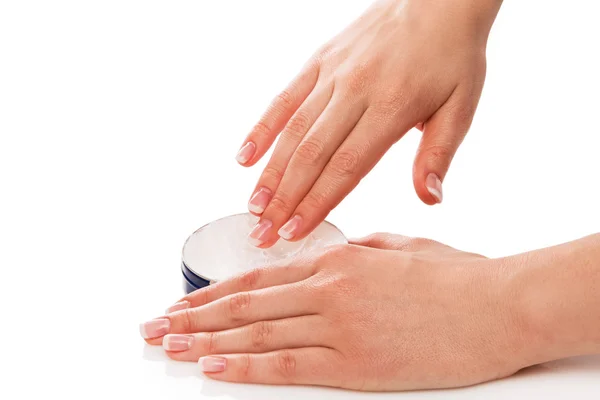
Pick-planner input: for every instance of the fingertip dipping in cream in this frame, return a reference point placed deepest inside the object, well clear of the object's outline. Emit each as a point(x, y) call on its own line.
point(260, 232)
point(288, 231)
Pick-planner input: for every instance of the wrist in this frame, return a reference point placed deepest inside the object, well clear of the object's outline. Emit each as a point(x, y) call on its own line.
point(554, 304)
point(472, 19)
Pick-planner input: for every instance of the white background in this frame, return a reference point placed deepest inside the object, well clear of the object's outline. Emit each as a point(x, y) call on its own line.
point(119, 123)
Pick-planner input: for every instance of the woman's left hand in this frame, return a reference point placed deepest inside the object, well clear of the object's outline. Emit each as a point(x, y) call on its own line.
point(359, 316)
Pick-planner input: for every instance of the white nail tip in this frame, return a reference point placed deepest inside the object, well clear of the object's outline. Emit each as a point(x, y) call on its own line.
point(285, 234)
point(255, 242)
point(435, 193)
point(255, 209)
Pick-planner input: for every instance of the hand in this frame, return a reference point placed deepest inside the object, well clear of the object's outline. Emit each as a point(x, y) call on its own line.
point(387, 313)
point(404, 63)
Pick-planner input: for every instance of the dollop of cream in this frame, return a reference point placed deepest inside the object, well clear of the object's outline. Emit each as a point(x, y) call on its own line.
point(221, 249)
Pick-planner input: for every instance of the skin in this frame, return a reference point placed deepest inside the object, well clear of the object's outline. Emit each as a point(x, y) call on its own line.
point(390, 313)
point(403, 63)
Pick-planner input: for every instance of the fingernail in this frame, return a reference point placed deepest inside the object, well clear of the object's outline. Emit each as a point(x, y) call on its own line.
point(182, 305)
point(288, 231)
point(434, 186)
point(259, 201)
point(246, 153)
point(177, 342)
point(212, 364)
point(155, 328)
point(259, 233)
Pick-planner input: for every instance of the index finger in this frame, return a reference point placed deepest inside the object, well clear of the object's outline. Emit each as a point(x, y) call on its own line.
point(357, 155)
point(252, 280)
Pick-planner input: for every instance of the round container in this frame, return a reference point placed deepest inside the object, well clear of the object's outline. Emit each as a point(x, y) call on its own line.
point(220, 249)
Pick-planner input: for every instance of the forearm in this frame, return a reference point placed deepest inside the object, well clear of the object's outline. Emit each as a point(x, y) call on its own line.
point(555, 299)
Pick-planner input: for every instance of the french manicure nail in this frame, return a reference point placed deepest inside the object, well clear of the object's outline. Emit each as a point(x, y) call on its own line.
point(246, 153)
point(288, 231)
point(212, 364)
point(177, 342)
point(259, 200)
point(260, 232)
point(434, 186)
point(155, 328)
point(182, 305)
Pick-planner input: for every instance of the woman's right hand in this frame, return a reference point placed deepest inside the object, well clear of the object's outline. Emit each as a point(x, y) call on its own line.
point(404, 63)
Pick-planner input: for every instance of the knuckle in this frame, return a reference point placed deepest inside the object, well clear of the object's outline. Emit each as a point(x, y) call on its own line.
point(284, 363)
point(210, 342)
point(261, 334)
point(346, 163)
point(261, 131)
point(356, 79)
point(249, 280)
point(310, 152)
point(322, 53)
point(317, 201)
point(238, 305)
point(187, 320)
point(376, 238)
point(280, 204)
point(418, 243)
point(438, 153)
point(332, 255)
point(245, 367)
point(298, 125)
point(272, 174)
point(335, 251)
point(285, 99)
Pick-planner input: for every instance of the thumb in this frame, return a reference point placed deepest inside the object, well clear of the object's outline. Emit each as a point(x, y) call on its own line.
point(442, 135)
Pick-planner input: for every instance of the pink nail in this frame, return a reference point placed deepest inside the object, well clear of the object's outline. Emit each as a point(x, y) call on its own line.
point(260, 232)
point(288, 231)
point(259, 201)
point(177, 342)
point(434, 186)
point(155, 328)
point(246, 153)
point(182, 305)
point(212, 364)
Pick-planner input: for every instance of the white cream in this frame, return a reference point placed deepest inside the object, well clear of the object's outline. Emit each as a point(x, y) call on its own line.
point(221, 249)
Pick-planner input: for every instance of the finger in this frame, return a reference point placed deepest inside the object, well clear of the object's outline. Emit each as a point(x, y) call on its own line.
point(292, 135)
point(306, 366)
point(359, 153)
point(384, 241)
point(235, 310)
point(442, 135)
point(259, 337)
point(389, 241)
point(258, 278)
point(277, 115)
point(306, 165)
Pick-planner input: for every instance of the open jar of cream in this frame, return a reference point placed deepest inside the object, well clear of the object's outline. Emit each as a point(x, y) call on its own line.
point(220, 249)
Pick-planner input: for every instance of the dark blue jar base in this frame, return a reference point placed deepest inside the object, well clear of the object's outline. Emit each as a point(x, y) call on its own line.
point(192, 281)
